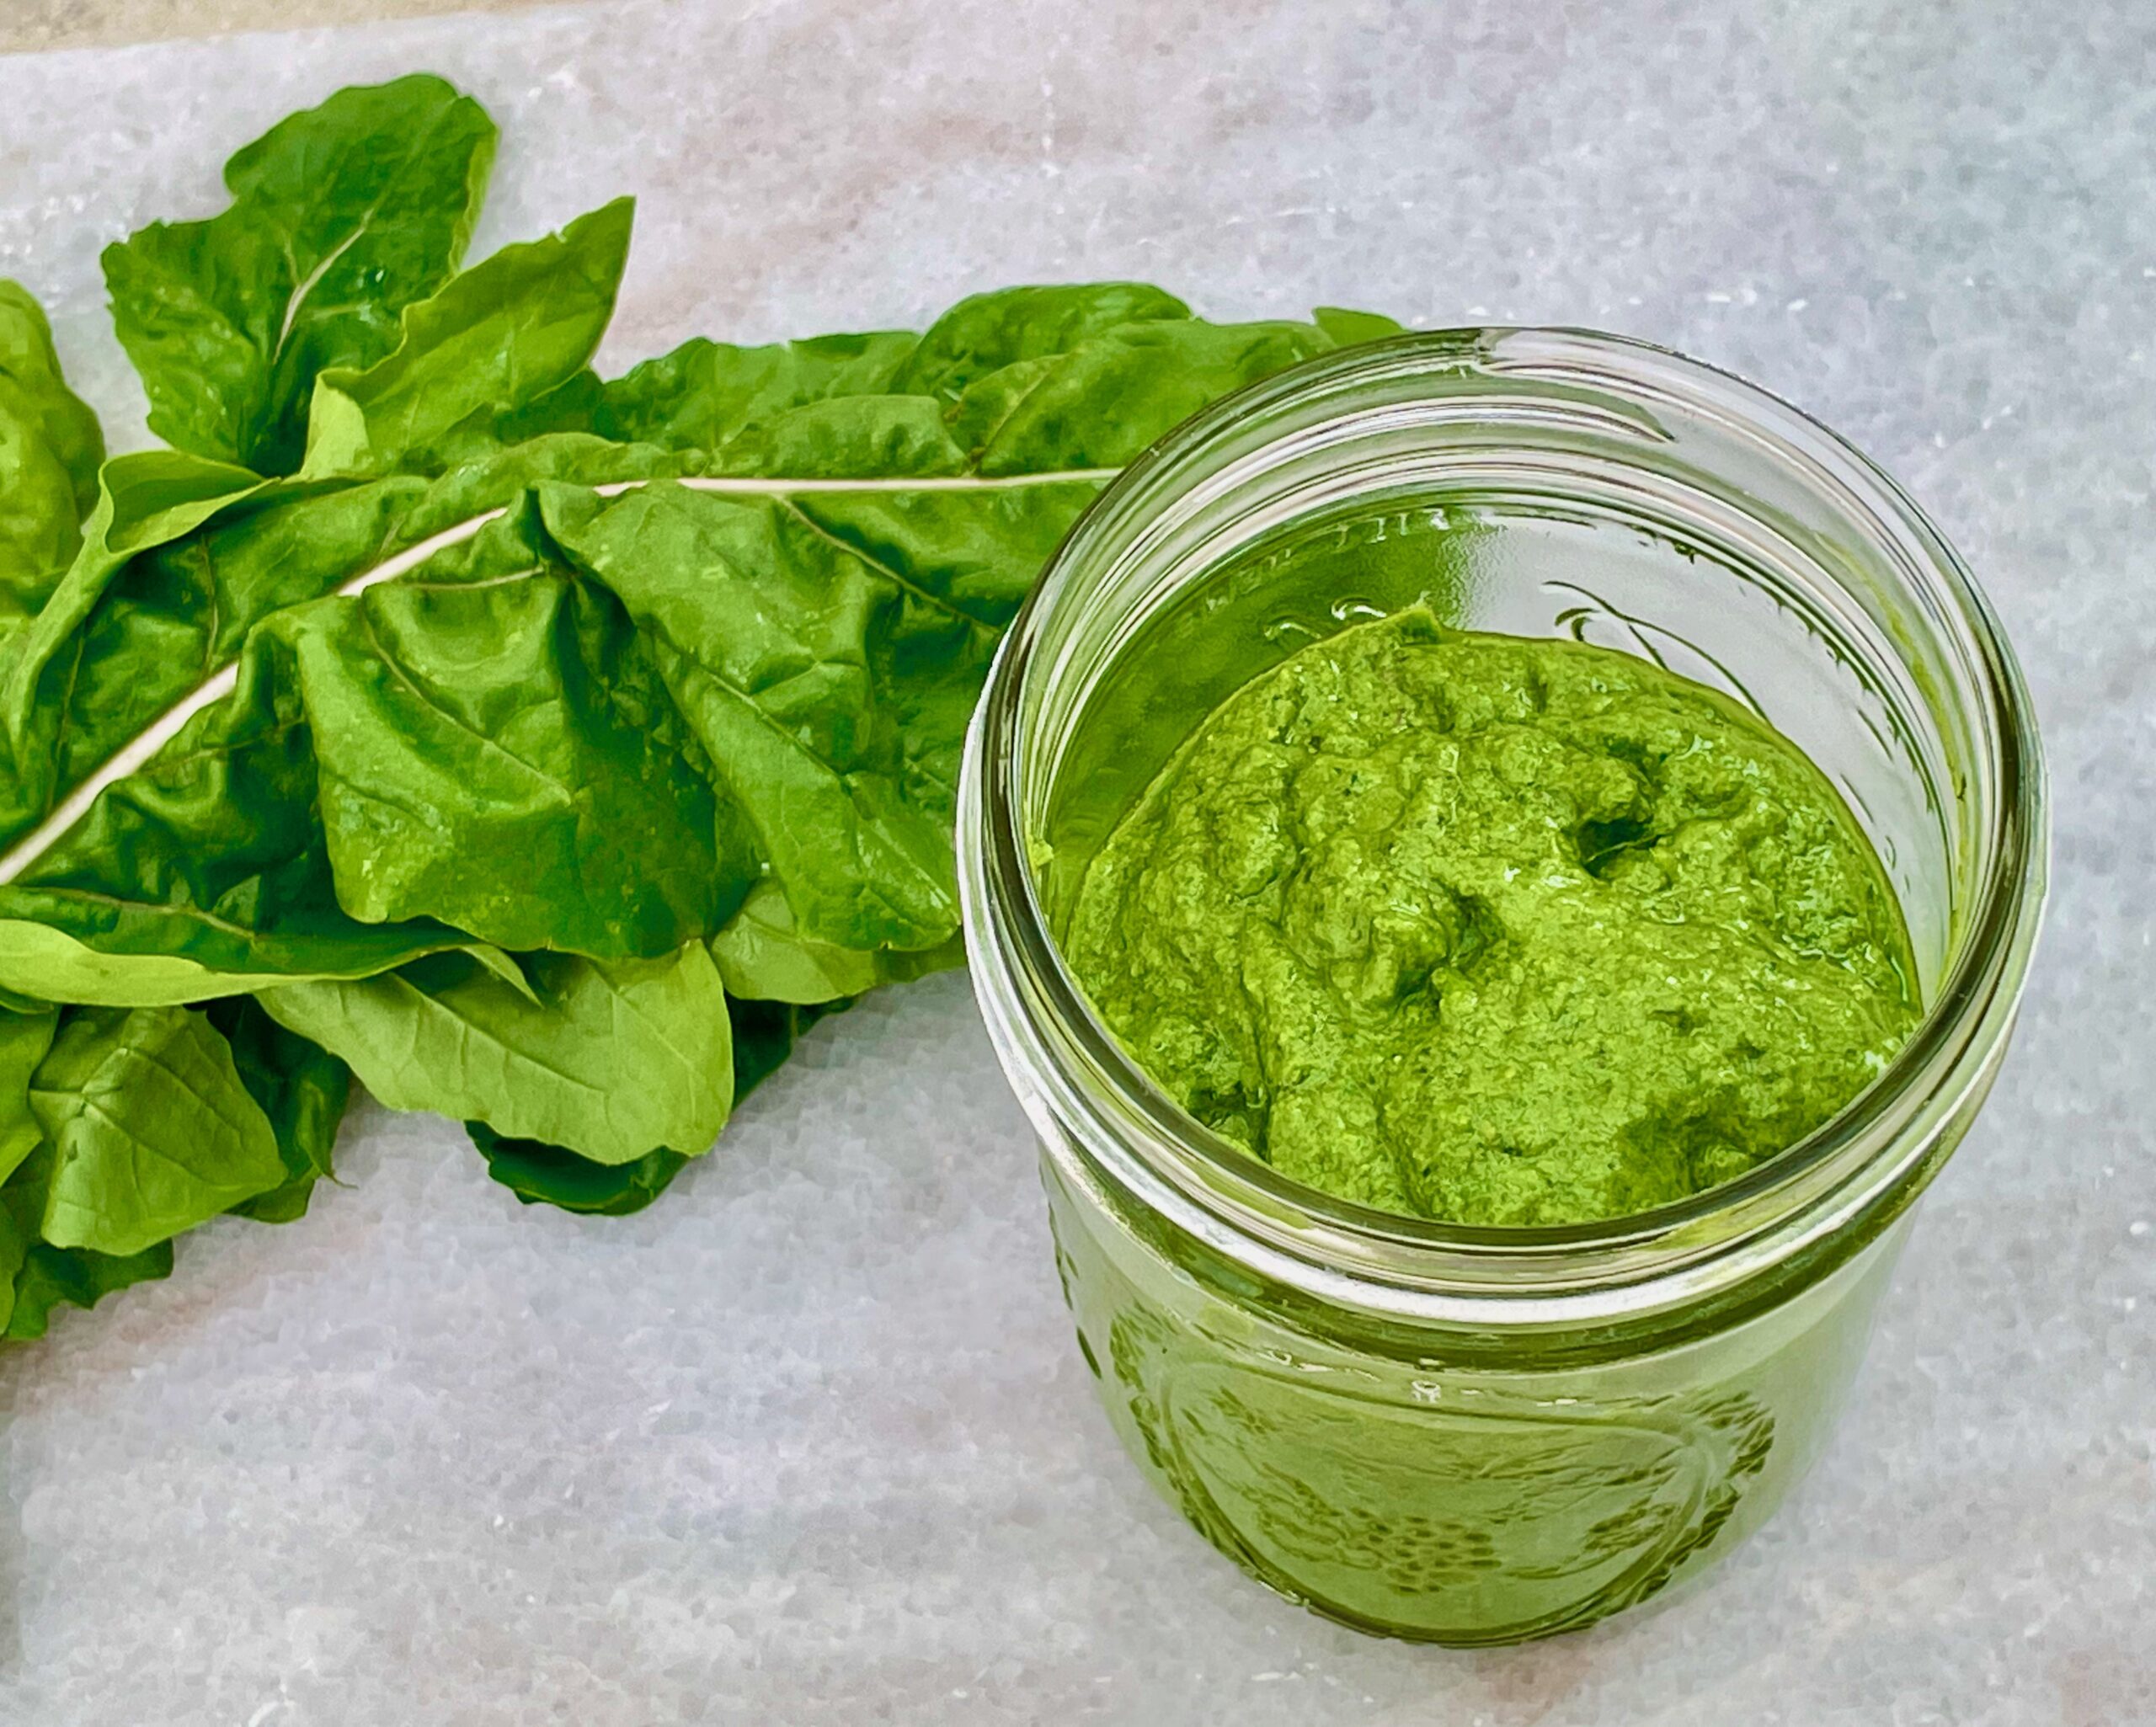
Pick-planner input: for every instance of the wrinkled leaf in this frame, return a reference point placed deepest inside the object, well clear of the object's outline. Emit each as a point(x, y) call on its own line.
point(300, 1087)
point(502, 479)
point(123, 642)
point(205, 874)
point(612, 1061)
point(341, 216)
point(36, 1276)
point(761, 956)
point(498, 338)
point(986, 333)
point(768, 633)
point(152, 1130)
point(501, 755)
point(705, 394)
point(51, 445)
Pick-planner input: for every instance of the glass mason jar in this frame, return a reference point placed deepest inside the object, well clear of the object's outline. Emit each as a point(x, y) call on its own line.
point(1482, 1434)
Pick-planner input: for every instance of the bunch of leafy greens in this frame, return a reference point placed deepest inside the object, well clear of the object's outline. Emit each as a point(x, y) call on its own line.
point(543, 751)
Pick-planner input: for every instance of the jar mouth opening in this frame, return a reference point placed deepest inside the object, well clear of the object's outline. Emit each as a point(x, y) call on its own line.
point(1832, 1174)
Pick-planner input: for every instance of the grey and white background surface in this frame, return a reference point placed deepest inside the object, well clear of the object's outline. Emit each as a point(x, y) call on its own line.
point(807, 1442)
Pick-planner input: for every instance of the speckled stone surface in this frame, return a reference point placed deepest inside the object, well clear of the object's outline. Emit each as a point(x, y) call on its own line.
point(807, 1442)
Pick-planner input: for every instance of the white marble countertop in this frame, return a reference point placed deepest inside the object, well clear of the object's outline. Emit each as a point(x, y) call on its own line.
point(807, 1442)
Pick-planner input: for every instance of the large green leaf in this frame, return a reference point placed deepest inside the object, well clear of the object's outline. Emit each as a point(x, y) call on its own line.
point(300, 1087)
point(801, 661)
point(764, 1034)
point(206, 872)
point(152, 1131)
point(1099, 403)
point(145, 500)
point(609, 1062)
point(49, 448)
point(539, 1174)
point(24, 1040)
point(166, 609)
point(986, 333)
point(497, 340)
point(762, 956)
point(503, 480)
point(36, 1276)
point(501, 755)
point(341, 216)
point(705, 394)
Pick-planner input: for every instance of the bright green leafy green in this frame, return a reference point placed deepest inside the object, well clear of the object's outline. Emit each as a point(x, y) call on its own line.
point(547, 753)
point(539, 1174)
point(300, 1087)
point(610, 1060)
point(206, 873)
point(24, 1040)
point(1347, 328)
point(762, 957)
point(986, 333)
point(496, 340)
point(183, 558)
point(825, 652)
point(152, 1131)
point(341, 216)
point(145, 500)
point(704, 393)
point(765, 1033)
point(49, 448)
point(35, 1276)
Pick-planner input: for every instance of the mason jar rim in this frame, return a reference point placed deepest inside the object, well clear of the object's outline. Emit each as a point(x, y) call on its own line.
point(1076, 1080)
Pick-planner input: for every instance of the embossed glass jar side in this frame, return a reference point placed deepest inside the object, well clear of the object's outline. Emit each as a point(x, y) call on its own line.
point(1481, 1435)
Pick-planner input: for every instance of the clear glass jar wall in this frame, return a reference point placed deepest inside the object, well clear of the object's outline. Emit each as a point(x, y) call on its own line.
point(1480, 1435)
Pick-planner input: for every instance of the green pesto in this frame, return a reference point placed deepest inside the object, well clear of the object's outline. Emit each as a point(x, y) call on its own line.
point(1494, 930)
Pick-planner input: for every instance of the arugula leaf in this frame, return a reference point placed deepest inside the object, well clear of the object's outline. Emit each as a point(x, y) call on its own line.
point(152, 1131)
point(494, 342)
point(341, 216)
point(610, 1061)
point(49, 448)
point(539, 1174)
point(300, 1087)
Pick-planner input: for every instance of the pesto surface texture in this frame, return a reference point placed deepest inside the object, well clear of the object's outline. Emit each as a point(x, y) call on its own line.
point(1494, 930)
